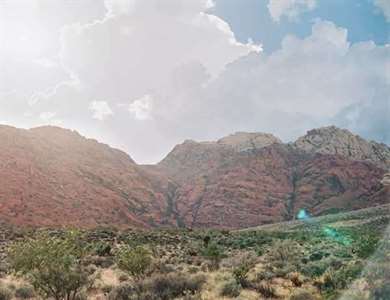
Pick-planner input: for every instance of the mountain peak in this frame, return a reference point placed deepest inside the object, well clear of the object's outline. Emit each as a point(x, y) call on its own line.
point(242, 141)
point(334, 140)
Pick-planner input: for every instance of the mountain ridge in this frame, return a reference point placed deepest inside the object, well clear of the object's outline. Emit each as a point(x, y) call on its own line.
point(56, 177)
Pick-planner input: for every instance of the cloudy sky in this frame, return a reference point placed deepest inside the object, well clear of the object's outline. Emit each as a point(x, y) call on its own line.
point(144, 75)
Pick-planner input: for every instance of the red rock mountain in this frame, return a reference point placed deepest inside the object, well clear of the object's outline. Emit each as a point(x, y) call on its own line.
point(52, 177)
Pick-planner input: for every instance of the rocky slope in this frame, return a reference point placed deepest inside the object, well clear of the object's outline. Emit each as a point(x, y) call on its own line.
point(51, 177)
point(333, 140)
point(269, 184)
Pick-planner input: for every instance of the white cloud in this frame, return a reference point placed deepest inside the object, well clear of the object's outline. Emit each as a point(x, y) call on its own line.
point(305, 84)
point(384, 6)
point(289, 8)
point(189, 76)
point(142, 108)
point(101, 110)
point(130, 55)
point(29, 35)
point(47, 115)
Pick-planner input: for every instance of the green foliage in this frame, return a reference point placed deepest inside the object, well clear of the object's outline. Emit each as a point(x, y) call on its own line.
point(102, 249)
point(339, 279)
point(365, 246)
point(285, 251)
point(315, 268)
point(171, 286)
point(240, 273)
point(53, 265)
point(135, 261)
point(122, 292)
point(24, 292)
point(230, 289)
point(214, 253)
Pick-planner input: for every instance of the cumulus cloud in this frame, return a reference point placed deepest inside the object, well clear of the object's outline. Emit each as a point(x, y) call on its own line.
point(384, 6)
point(158, 72)
point(305, 84)
point(142, 108)
point(289, 8)
point(101, 110)
point(29, 34)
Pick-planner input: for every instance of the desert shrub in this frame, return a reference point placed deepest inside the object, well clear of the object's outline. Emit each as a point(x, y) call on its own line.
point(193, 270)
point(365, 246)
point(285, 252)
point(265, 289)
point(123, 277)
point(134, 261)
point(381, 291)
point(81, 296)
point(230, 289)
point(302, 294)
point(102, 249)
point(295, 278)
point(264, 275)
point(5, 293)
point(240, 273)
point(339, 279)
point(318, 255)
point(107, 288)
point(171, 286)
point(214, 254)
point(122, 292)
point(53, 265)
point(315, 268)
point(24, 292)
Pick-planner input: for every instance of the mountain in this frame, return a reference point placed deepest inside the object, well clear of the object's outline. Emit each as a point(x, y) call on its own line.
point(333, 140)
point(226, 187)
point(53, 177)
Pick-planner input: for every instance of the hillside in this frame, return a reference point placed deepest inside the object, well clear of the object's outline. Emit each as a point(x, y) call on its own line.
point(51, 176)
point(55, 177)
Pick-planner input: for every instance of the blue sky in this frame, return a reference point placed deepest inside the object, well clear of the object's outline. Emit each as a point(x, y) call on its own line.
point(250, 19)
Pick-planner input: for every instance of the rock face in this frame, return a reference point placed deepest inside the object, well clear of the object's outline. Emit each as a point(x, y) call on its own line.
point(270, 184)
point(332, 140)
point(52, 177)
point(244, 141)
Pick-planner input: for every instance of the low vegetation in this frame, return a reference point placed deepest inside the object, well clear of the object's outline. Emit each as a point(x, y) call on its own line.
point(321, 259)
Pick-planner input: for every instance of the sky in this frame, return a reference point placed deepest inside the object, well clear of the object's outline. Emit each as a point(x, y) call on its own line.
point(144, 75)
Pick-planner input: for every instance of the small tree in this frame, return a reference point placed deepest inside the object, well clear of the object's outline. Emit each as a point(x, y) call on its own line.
point(214, 253)
point(51, 264)
point(134, 261)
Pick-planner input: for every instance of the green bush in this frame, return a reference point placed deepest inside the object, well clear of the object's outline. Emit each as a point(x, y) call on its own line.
point(314, 269)
point(53, 265)
point(24, 292)
point(285, 252)
point(124, 291)
point(135, 261)
point(230, 289)
point(102, 249)
point(365, 246)
point(240, 274)
point(171, 286)
point(214, 253)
